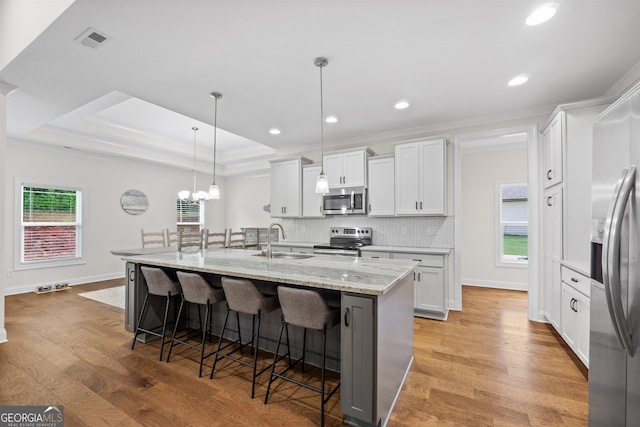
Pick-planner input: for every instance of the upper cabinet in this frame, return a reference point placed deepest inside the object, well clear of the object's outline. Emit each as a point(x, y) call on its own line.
point(381, 177)
point(286, 188)
point(553, 135)
point(347, 168)
point(311, 201)
point(421, 172)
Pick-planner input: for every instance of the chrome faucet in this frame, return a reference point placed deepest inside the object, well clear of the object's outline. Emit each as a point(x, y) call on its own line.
point(268, 253)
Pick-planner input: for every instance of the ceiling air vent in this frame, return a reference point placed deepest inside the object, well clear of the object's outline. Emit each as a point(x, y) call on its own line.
point(92, 38)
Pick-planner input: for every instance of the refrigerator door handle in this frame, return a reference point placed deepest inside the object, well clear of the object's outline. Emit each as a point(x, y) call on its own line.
point(613, 289)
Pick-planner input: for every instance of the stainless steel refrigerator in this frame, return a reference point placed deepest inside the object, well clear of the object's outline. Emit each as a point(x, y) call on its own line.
point(614, 353)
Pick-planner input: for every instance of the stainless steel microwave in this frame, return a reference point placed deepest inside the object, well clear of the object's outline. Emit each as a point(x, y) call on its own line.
point(345, 201)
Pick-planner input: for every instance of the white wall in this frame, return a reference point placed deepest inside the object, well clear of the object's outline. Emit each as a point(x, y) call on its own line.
point(106, 226)
point(3, 198)
point(480, 171)
point(245, 199)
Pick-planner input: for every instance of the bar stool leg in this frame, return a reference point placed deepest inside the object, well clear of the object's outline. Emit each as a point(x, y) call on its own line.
point(164, 325)
point(324, 361)
point(304, 346)
point(275, 358)
point(204, 336)
point(215, 360)
point(286, 326)
point(175, 329)
point(255, 340)
point(239, 335)
point(144, 308)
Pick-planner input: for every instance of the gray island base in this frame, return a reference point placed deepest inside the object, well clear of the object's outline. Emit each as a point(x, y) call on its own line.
point(374, 342)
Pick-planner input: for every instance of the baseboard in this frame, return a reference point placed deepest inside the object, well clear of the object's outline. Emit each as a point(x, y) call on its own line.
point(495, 284)
point(3, 335)
point(72, 282)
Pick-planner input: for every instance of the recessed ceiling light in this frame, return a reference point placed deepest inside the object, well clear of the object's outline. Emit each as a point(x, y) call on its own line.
point(274, 131)
point(541, 15)
point(401, 105)
point(517, 81)
point(331, 119)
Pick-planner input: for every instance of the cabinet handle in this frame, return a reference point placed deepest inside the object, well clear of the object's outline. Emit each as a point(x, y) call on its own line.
point(369, 207)
point(346, 319)
point(414, 276)
point(549, 198)
point(379, 257)
point(132, 276)
point(419, 275)
point(320, 209)
point(549, 174)
point(416, 205)
point(420, 205)
point(574, 280)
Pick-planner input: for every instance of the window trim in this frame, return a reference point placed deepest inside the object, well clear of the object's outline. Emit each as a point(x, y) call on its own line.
point(499, 237)
point(18, 265)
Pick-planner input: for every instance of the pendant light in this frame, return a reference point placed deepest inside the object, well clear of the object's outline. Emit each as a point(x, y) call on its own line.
point(322, 184)
point(214, 191)
point(195, 196)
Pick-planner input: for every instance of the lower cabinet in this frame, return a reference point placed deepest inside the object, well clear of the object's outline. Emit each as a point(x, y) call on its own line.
point(430, 281)
point(292, 248)
point(575, 310)
point(357, 388)
point(130, 308)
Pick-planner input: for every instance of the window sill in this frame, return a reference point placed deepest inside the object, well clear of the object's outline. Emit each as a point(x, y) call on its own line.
point(47, 264)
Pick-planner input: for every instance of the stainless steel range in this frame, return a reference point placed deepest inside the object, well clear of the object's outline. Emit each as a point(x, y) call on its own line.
point(345, 241)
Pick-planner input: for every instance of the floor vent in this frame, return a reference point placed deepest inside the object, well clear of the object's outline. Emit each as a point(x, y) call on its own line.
point(93, 39)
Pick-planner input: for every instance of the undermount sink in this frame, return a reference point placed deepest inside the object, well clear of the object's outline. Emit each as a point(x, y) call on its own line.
point(286, 255)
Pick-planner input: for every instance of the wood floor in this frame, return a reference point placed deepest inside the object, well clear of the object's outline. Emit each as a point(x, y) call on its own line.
point(485, 366)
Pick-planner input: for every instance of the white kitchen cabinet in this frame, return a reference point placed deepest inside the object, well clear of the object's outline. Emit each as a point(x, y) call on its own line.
point(553, 150)
point(381, 186)
point(552, 251)
point(347, 168)
point(575, 313)
point(421, 172)
point(286, 187)
point(311, 201)
point(430, 284)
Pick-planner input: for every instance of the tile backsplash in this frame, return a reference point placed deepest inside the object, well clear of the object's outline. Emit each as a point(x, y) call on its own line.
point(422, 232)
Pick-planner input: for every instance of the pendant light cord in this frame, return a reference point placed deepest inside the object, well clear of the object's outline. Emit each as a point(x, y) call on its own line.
point(195, 129)
point(215, 131)
point(321, 123)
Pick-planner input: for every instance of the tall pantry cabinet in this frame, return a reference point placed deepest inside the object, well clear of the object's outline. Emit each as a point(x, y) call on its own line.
point(566, 203)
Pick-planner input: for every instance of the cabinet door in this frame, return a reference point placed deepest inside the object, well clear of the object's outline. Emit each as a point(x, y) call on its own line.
point(552, 222)
point(432, 177)
point(429, 289)
point(407, 177)
point(311, 201)
point(357, 371)
point(583, 327)
point(382, 187)
point(553, 151)
point(292, 189)
point(333, 170)
point(354, 169)
point(130, 305)
point(277, 190)
point(556, 295)
point(569, 316)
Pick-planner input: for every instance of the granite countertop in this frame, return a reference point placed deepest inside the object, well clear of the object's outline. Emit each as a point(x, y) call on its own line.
point(345, 274)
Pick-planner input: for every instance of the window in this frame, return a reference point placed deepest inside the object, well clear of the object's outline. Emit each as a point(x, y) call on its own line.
point(189, 216)
point(50, 226)
point(512, 236)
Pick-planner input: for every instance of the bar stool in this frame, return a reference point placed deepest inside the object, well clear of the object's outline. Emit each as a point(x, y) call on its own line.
point(159, 284)
point(244, 297)
point(307, 309)
point(196, 290)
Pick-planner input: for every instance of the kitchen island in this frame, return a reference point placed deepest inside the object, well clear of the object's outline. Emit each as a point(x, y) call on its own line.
point(375, 340)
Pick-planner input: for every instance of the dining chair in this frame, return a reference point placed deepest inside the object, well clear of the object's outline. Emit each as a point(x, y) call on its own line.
point(152, 238)
point(215, 240)
point(171, 236)
point(190, 239)
point(237, 239)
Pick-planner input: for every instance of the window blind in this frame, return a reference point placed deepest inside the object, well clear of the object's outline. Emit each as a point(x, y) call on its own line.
point(50, 224)
point(189, 215)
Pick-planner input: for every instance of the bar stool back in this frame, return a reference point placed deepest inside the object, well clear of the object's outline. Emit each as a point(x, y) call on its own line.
point(244, 297)
point(307, 309)
point(159, 284)
point(196, 290)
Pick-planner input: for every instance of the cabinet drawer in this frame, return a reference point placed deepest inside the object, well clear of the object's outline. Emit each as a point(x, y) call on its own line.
point(375, 254)
point(578, 281)
point(424, 259)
